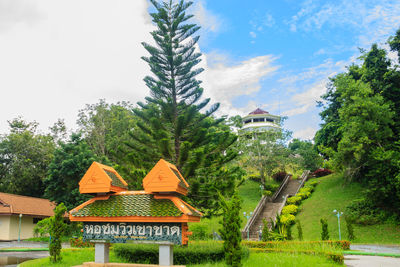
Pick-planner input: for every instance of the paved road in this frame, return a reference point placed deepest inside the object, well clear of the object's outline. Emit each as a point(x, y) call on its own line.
point(377, 248)
point(370, 261)
point(10, 259)
point(373, 261)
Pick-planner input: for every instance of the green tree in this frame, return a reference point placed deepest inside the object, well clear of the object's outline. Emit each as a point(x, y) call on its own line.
point(106, 129)
point(171, 123)
point(310, 159)
point(230, 231)
point(24, 159)
point(71, 161)
point(265, 151)
point(361, 125)
point(57, 230)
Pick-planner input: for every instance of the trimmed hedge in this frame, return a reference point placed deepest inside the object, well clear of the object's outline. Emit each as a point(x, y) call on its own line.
point(196, 252)
point(79, 243)
point(290, 209)
point(340, 244)
point(293, 200)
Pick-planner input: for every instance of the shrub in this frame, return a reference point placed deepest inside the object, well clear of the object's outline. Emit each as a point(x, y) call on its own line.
point(303, 195)
point(306, 189)
point(265, 232)
point(321, 172)
point(293, 200)
point(56, 231)
point(324, 232)
point(288, 219)
point(255, 178)
point(199, 231)
point(267, 193)
point(313, 183)
point(279, 176)
point(350, 229)
point(79, 243)
point(364, 212)
point(271, 187)
point(299, 230)
point(195, 253)
point(230, 231)
point(290, 209)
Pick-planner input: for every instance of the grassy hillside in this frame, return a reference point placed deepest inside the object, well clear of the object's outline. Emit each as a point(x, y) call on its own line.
point(333, 193)
point(250, 193)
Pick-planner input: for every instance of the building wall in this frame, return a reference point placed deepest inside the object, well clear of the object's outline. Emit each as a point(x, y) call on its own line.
point(4, 227)
point(27, 226)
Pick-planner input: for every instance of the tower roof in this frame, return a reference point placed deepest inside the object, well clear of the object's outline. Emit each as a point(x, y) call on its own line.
point(258, 111)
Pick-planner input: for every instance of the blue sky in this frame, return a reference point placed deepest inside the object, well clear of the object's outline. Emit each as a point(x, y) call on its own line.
point(305, 41)
point(58, 55)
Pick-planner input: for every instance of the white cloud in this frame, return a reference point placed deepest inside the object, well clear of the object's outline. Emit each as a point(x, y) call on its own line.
point(268, 20)
point(57, 55)
point(253, 34)
point(209, 21)
point(372, 21)
point(311, 83)
point(224, 81)
point(305, 134)
point(304, 101)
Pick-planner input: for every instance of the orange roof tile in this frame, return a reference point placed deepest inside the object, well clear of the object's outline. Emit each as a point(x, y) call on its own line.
point(15, 204)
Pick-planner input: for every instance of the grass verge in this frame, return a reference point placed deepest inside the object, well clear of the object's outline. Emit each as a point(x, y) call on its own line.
point(364, 253)
point(23, 249)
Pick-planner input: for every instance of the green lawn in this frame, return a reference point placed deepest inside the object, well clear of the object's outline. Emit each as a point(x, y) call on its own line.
point(73, 257)
point(333, 193)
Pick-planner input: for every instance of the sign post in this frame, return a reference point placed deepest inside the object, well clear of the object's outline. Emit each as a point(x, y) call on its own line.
point(116, 215)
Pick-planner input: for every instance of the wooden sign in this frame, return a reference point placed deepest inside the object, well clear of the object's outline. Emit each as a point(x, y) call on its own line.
point(133, 232)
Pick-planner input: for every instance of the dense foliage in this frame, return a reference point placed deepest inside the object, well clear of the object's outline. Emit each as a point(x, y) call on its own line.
point(71, 161)
point(307, 154)
point(360, 133)
point(25, 156)
point(266, 152)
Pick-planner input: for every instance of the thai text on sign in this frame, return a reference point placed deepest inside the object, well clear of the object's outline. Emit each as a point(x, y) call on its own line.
point(140, 232)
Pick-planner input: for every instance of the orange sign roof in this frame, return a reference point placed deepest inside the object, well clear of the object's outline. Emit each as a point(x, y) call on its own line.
point(165, 177)
point(15, 204)
point(100, 178)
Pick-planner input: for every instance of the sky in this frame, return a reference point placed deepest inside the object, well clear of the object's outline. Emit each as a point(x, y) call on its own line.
point(56, 56)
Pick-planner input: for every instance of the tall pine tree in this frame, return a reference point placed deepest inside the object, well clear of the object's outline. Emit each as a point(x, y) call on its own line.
point(171, 122)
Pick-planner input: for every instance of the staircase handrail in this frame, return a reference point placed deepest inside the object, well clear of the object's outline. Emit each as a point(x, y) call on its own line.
point(304, 177)
point(261, 204)
point(285, 197)
point(281, 187)
point(256, 212)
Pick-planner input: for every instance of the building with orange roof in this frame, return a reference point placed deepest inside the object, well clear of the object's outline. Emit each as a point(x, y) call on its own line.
point(27, 210)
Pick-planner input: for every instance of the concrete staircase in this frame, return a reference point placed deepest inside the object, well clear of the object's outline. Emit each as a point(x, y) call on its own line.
point(268, 207)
